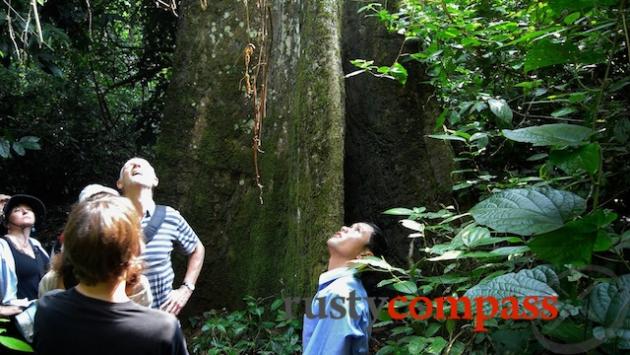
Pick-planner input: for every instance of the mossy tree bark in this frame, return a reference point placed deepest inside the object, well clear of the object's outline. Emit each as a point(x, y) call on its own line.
point(205, 158)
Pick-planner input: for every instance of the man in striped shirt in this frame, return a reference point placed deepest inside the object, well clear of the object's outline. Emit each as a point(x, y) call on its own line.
point(137, 180)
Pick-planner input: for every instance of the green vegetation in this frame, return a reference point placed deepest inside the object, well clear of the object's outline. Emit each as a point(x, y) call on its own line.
point(534, 103)
point(261, 328)
point(85, 84)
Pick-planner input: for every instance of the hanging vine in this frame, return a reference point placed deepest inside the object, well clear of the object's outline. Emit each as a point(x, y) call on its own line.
point(255, 78)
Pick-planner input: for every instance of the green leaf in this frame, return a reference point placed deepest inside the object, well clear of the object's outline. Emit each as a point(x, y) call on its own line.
point(377, 263)
point(603, 242)
point(529, 85)
point(557, 134)
point(528, 282)
point(609, 305)
point(570, 19)
point(575, 5)
point(537, 157)
point(566, 330)
point(510, 341)
point(502, 110)
point(474, 236)
point(416, 345)
point(30, 142)
point(528, 211)
point(399, 73)
point(440, 120)
point(585, 158)
point(15, 344)
point(18, 148)
point(563, 112)
point(413, 225)
point(385, 282)
point(563, 247)
point(546, 53)
point(624, 241)
point(399, 212)
point(457, 349)
point(5, 148)
point(575, 242)
point(446, 279)
point(449, 255)
point(276, 304)
point(447, 137)
point(436, 346)
point(505, 251)
point(362, 63)
point(407, 287)
point(432, 329)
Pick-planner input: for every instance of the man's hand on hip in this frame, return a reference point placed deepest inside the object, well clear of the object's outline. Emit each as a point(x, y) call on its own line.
point(176, 300)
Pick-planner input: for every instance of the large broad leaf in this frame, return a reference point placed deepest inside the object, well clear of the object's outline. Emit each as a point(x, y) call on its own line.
point(502, 110)
point(557, 134)
point(531, 282)
point(585, 158)
point(609, 305)
point(528, 211)
point(575, 242)
point(545, 53)
point(564, 246)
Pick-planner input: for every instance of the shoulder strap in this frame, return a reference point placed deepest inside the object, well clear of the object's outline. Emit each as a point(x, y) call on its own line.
point(154, 224)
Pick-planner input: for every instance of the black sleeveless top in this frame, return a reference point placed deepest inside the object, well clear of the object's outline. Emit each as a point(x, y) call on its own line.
point(29, 271)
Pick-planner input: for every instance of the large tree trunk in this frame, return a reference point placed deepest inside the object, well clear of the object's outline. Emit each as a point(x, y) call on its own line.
point(205, 153)
point(205, 158)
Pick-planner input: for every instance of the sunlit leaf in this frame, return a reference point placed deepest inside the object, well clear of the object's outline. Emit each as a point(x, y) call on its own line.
point(502, 110)
point(528, 211)
point(406, 287)
point(399, 212)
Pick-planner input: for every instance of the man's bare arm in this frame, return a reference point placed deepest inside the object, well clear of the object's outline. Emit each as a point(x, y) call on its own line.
point(178, 298)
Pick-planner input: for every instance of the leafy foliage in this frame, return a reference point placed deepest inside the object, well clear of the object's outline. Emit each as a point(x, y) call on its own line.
point(85, 92)
point(260, 328)
point(528, 211)
point(535, 108)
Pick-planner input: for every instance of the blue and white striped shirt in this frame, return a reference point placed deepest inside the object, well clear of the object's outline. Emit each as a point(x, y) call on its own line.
point(174, 231)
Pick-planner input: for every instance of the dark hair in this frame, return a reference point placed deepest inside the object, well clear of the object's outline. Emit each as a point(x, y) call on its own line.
point(377, 243)
point(103, 239)
point(371, 278)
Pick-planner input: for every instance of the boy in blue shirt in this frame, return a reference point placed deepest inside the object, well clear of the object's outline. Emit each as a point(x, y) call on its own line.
point(338, 320)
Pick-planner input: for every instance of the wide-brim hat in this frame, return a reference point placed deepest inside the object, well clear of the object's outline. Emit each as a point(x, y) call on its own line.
point(33, 202)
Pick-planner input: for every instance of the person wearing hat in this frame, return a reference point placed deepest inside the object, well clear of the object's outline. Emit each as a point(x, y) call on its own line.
point(23, 261)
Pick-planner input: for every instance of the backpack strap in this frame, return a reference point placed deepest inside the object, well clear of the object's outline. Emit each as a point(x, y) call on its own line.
point(154, 224)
